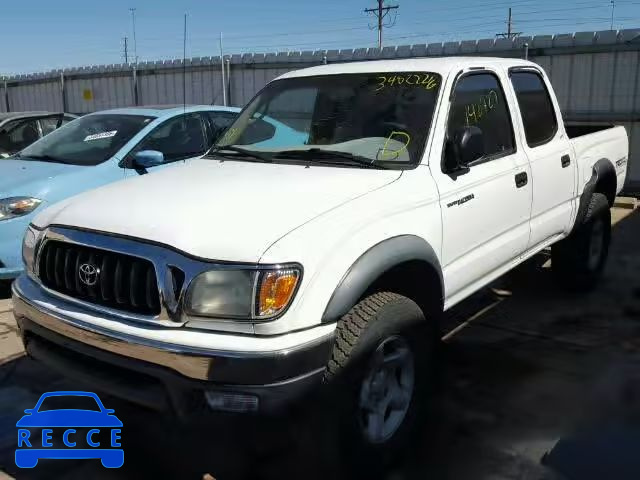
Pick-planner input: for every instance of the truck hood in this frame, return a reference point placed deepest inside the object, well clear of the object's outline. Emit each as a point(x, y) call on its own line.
point(230, 210)
point(26, 177)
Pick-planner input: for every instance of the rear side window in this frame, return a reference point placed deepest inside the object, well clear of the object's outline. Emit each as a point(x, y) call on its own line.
point(538, 115)
point(478, 101)
point(177, 138)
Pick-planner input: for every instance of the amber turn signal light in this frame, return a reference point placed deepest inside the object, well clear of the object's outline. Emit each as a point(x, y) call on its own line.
point(276, 290)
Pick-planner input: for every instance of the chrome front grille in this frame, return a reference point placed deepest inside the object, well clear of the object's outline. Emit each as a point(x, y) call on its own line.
point(103, 277)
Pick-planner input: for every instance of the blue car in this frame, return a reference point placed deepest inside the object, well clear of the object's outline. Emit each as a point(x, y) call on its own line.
point(35, 430)
point(95, 150)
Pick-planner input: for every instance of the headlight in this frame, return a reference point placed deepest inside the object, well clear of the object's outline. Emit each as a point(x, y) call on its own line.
point(29, 245)
point(242, 294)
point(17, 206)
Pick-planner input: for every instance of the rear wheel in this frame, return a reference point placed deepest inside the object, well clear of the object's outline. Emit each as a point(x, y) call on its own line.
point(381, 375)
point(579, 260)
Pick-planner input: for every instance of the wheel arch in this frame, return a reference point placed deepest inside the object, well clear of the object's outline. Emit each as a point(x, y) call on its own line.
point(405, 264)
point(603, 180)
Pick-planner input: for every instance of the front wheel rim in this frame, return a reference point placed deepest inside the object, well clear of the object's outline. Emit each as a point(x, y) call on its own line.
point(387, 390)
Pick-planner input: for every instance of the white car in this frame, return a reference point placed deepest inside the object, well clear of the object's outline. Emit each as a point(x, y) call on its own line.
point(241, 280)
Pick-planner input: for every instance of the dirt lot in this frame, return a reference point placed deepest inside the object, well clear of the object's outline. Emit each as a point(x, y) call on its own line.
point(528, 364)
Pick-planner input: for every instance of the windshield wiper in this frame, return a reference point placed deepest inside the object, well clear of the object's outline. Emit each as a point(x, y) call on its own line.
point(333, 157)
point(41, 158)
point(232, 152)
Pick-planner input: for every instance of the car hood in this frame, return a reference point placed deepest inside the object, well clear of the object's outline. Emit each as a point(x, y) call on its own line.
point(229, 210)
point(27, 177)
point(69, 418)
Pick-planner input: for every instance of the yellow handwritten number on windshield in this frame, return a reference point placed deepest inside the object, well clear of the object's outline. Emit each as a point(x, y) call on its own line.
point(387, 154)
point(428, 82)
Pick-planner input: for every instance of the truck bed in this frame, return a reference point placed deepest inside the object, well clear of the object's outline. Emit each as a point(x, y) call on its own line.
point(594, 142)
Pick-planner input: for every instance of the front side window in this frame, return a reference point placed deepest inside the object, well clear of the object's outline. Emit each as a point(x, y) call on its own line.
point(216, 123)
point(49, 124)
point(87, 141)
point(538, 114)
point(17, 135)
point(479, 101)
point(379, 118)
point(178, 138)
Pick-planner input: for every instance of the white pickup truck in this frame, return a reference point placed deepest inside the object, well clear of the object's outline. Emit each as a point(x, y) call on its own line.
point(281, 262)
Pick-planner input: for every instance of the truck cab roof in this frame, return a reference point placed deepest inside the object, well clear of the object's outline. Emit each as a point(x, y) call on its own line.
point(441, 65)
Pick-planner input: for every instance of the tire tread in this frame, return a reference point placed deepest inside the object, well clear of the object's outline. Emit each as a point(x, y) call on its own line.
point(350, 329)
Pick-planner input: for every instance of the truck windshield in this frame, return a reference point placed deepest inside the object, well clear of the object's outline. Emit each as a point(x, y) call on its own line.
point(369, 119)
point(86, 141)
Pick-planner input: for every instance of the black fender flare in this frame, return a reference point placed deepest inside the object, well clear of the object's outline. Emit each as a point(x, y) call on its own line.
point(602, 169)
point(371, 265)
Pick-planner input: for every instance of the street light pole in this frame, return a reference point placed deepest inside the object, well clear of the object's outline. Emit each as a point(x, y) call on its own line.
point(135, 44)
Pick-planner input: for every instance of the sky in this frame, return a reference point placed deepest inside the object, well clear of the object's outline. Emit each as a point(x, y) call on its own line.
point(41, 35)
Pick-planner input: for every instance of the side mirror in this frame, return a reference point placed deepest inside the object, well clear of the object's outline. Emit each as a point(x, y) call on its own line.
point(29, 411)
point(148, 159)
point(109, 411)
point(466, 146)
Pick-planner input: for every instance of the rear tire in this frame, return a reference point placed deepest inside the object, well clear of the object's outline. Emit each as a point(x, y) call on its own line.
point(381, 376)
point(579, 259)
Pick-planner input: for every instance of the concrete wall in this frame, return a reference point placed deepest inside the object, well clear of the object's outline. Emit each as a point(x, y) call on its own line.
point(595, 75)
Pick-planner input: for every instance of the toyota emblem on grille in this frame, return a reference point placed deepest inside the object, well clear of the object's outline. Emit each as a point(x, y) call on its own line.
point(89, 274)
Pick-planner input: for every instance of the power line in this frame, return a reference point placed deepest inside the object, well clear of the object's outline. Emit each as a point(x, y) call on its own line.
point(469, 29)
point(380, 13)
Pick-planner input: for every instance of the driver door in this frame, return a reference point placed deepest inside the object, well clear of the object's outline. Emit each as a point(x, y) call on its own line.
point(180, 138)
point(485, 210)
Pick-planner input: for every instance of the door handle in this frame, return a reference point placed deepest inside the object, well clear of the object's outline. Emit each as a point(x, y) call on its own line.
point(521, 179)
point(565, 161)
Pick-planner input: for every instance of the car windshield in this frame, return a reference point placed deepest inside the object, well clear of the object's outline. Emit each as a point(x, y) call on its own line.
point(69, 402)
point(86, 141)
point(374, 119)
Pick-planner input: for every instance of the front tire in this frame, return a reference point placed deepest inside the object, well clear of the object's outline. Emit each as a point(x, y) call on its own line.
point(579, 259)
point(381, 374)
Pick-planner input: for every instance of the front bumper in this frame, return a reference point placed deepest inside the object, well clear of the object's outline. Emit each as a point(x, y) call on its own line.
point(11, 235)
point(159, 375)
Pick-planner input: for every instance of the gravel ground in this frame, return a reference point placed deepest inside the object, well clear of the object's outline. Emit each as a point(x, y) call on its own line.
point(528, 365)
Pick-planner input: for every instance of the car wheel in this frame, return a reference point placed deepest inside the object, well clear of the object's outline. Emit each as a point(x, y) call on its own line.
point(381, 374)
point(578, 260)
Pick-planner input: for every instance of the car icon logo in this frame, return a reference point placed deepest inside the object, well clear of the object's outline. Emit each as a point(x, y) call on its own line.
point(53, 430)
point(89, 274)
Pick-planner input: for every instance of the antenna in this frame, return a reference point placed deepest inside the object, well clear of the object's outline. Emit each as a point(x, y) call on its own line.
point(184, 66)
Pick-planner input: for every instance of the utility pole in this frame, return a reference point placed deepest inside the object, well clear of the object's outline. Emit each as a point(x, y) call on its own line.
point(126, 51)
point(380, 13)
point(135, 43)
point(510, 34)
